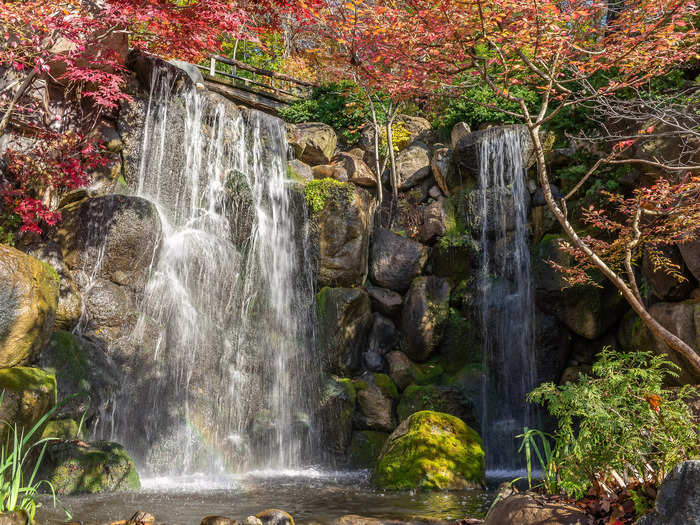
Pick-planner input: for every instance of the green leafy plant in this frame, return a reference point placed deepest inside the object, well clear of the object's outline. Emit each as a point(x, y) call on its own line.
point(318, 191)
point(545, 454)
point(17, 490)
point(619, 419)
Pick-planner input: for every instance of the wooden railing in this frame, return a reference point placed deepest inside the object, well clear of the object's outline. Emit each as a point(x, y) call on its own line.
point(277, 86)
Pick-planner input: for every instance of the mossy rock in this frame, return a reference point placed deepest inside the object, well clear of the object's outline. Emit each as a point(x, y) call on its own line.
point(29, 292)
point(365, 448)
point(63, 429)
point(447, 399)
point(29, 393)
point(431, 450)
point(89, 468)
point(337, 406)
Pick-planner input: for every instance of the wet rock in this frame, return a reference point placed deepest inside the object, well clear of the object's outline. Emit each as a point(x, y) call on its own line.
point(460, 131)
point(345, 320)
point(357, 171)
point(691, 255)
point(365, 448)
point(664, 286)
point(313, 142)
point(401, 369)
point(525, 509)
point(588, 311)
point(431, 450)
point(69, 300)
point(413, 165)
point(385, 301)
point(88, 468)
point(376, 394)
point(447, 399)
point(218, 520)
point(382, 335)
point(29, 292)
point(330, 171)
point(337, 408)
point(29, 393)
point(82, 368)
point(466, 152)
point(433, 222)
point(103, 235)
point(300, 171)
point(424, 316)
point(678, 498)
point(395, 261)
point(344, 226)
point(275, 517)
point(62, 429)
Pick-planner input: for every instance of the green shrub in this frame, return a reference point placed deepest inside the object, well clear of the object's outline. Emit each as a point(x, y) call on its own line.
point(340, 105)
point(318, 191)
point(620, 418)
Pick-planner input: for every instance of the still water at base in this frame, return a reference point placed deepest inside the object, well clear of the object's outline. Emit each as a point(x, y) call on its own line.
point(309, 496)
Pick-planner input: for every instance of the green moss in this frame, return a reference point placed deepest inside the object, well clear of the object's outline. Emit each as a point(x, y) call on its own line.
point(50, 270)
point(386, 385)
point(317, 192)
point(417, 398)
point(431, 450)
point(461, 343)
point(427, 373)
point(365, 448)
point(21, 378)
point(63, 429)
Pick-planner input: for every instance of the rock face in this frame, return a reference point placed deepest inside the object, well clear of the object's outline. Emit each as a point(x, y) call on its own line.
point(395, 261)
point(683, 319)
point(523, 509)
point(29, 291)
point(381, 339)
point(376, 394)
point(385, 301)
point(29, 394)
point(433, 221)
point(358, 172)
point(413, 165)
point(336, 413)
point(401, 369)
point(424, 316)
point(691, 255)
point(442, 165)
point(678, 499)
point(431, 450)
point(313, 143)
point(447, 399)
point(345, 318)
point(365, 448)
point(466, 151)
point(664, 286)
point(344, 226)
point(300, 171)
point(81, 468)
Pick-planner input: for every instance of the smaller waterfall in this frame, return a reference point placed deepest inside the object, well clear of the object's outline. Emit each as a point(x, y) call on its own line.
point(222, 380)
point(506, 296)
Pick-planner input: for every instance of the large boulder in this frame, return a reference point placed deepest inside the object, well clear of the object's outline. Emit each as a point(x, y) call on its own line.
point(395, 261)
point(29, 393)
point(401, 369)
point(29, 292)
point(313, 142)
point(440, 398)
point(336, 412)
point(75, 467)
point(459, 131)
point(345, 319)
point(525, 509)
point(344, 225)
point(431, 450)
point(424, 316)
point(385, 301)
point(358, 172)
point(365, 448)
point(413, 165)
point(443, 168)
point(82, 370)
point(678, 498)
point(433, 221)
point(587, 310)
point(376, 394)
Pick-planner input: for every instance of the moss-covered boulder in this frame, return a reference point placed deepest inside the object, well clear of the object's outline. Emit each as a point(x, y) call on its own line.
point(365, 448)
point(75, 467)
point(344, 321)
point(29, 393)
point(431, 450)
point(28, 301)
point(63, 429)
point(440, 398)
point(335, 414)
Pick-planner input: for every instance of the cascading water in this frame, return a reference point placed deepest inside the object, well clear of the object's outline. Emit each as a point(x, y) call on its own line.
point(506, 296)
point(223, 381)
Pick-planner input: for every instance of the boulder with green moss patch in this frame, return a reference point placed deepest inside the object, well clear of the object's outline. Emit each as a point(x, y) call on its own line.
point(75, 467)
point(337, 407)
point(63, 429)
point(28, 301)
point(441, 398)
point(29, 393)
point(365, 448)
point(431, 450)
point(376, 395)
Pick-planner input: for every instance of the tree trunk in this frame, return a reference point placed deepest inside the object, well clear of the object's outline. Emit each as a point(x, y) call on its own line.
point(687, 353)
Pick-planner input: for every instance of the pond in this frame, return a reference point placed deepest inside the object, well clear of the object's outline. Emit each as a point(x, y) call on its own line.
point(309, 496)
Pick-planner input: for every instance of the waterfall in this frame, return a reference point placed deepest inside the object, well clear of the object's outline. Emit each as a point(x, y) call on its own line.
point(223, 380)
point(505, 296)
